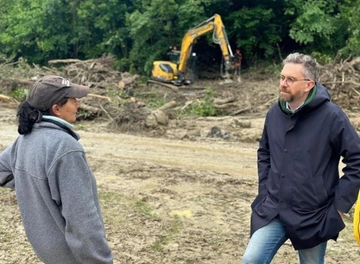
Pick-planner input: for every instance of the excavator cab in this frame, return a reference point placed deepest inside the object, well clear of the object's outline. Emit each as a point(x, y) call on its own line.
point(174, 56)
point(164, 71)
point(167, 71)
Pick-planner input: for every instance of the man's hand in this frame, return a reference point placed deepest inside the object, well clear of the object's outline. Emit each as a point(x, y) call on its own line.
point(345, 216)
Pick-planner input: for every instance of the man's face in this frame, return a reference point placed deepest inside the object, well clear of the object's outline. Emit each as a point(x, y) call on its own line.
point(294, 87)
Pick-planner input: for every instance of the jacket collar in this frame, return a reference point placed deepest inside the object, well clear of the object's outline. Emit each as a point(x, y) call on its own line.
point(64, 125)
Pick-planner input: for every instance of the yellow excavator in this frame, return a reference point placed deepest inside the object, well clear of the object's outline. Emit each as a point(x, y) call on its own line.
point(174, 72)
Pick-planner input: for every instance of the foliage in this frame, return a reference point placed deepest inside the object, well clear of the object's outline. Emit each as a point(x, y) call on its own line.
point(156, 101)
point(350, 13)
point(19, 94)
point(252, 23)
point(321, 58)
point(40, 30)
point(314, 20)
point(318, 26)
point(155, 26)
point(138, 32)
point(272, 69)
point(18, 27)
point(104, 29)
point(202, 108)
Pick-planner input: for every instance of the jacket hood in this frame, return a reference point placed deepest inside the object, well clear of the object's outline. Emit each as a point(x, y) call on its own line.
point(317, 96)
point(322, 95)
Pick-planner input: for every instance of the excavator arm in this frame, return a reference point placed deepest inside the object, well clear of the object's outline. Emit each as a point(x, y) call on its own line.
point(214, 24)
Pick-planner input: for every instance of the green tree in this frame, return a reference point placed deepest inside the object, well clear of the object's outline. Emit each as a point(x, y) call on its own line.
point(257, 31)
point(18, 27)
point(158, 24)
point(39, 30)
point(271, 29)
point(318, 25)
point(103, 27)
point(138, 32)
point(350, 14)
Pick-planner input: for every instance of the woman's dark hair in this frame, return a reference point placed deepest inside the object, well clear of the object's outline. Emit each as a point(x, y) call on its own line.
point(28, 116)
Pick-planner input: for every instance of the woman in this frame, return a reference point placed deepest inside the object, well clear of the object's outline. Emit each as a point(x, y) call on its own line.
point(55, 188)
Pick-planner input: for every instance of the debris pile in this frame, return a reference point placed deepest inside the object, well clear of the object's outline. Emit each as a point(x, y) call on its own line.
point(110, 89)
point(125, 102)
point(343, 82)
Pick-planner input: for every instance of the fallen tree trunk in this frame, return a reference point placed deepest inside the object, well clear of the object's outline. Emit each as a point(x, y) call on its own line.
point(7, 99)
point(224, 106)
point(65, 61)
point(99, 96)
point(224, 101)
point(168, 105)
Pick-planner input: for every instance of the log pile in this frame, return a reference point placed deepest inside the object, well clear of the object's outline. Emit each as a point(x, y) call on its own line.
point(99, 74)
point(343, 82)
point(106, 84)
point(112, 91)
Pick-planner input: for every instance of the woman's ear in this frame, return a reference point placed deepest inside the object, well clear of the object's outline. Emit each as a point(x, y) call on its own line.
point(55, 110)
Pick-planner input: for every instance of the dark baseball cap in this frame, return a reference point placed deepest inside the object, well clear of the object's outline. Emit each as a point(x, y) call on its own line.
point(50, 89)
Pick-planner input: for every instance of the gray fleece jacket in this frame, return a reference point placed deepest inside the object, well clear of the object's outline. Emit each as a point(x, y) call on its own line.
point(57, 196)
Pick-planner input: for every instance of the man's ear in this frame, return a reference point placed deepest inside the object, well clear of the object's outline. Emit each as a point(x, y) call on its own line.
point(309, 86)
point(55, 110)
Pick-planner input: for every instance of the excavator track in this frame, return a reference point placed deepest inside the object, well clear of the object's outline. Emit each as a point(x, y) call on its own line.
point(172, 87)
point(175, 90)
point(183, 89)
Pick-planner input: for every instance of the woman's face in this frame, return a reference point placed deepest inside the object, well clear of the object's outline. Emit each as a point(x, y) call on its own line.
point(68, 110)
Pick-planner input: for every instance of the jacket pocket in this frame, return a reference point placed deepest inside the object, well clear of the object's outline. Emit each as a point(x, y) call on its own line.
point(268, 207)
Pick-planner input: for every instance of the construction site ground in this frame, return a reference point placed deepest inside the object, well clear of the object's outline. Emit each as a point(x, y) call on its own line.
point(174, 193)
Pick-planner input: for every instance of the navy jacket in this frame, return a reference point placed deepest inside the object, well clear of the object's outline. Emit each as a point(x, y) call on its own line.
point(298, 168)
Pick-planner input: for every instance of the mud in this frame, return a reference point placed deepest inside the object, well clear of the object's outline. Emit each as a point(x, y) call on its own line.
point(165, 199)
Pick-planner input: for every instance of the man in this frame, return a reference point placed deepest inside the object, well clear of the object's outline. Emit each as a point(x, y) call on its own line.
point(237, 63)
point(301, 196)
point(55, 188)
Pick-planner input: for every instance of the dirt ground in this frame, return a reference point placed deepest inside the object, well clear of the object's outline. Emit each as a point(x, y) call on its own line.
point(183, 197)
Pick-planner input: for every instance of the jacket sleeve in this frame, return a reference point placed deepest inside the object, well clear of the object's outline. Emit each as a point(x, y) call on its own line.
point(75, 184)
point(346, 142)
point(6, 175)
point(263, 162)
point(7, 180)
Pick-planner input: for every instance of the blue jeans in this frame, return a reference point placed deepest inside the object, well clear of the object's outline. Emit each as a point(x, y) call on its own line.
point(266, 241)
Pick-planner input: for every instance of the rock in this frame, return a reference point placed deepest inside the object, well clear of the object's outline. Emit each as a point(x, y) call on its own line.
point(235, 123)
point(161, 117)
point(151, 121)
point(156, 118)
point(215, 132)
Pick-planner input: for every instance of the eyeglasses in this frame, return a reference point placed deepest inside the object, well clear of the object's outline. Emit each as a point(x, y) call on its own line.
point(290, 81)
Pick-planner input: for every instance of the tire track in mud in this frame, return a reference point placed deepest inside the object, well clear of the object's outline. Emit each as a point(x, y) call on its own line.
point(197, 194)
point(164, 201)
